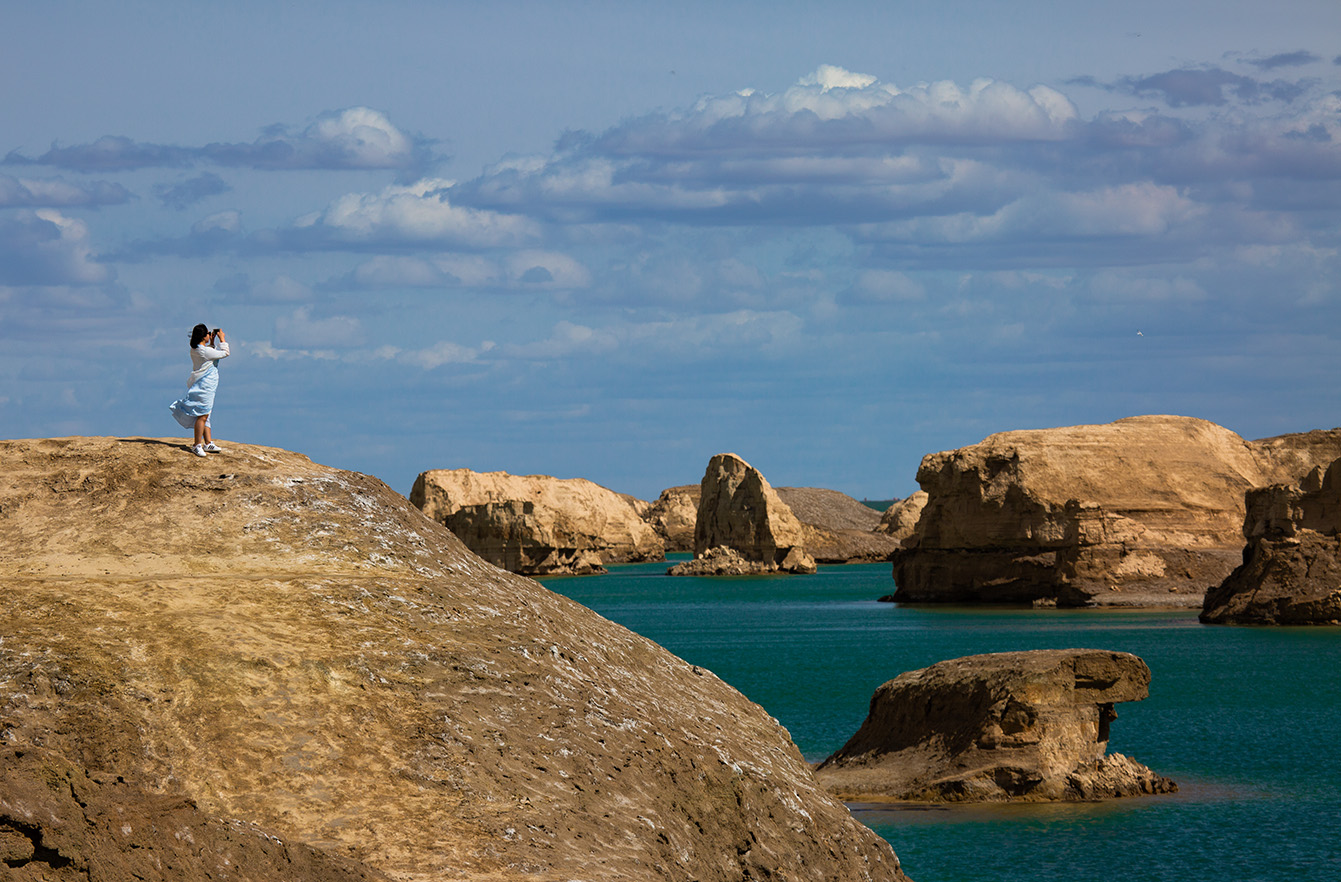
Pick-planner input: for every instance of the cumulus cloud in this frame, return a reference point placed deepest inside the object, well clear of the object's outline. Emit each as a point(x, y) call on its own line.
point(300, 330)
point(352, 138)
point(58, 193)
point(1186, 87)
point(44, 247)
point(741, 333)
point(420, 213)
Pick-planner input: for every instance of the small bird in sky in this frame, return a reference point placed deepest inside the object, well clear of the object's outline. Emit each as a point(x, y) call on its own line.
point(1139, 334)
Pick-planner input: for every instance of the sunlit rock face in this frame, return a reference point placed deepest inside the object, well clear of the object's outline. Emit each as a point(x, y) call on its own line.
point(1143, 511)
point(1291, 570)
point(296, 647)
point(1012, 726)
point(838, 529)
point(537, 525)
point(739, 510)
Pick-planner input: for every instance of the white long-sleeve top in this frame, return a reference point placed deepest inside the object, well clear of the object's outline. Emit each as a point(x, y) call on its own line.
point(203, 358)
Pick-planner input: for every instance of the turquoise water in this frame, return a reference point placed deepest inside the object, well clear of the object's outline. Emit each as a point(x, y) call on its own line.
point(1246, 720)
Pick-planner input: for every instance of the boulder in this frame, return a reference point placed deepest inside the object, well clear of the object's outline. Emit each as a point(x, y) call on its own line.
point(738, 509)
point(1291, 570)
point(899, 521)
point(1143, 511)
point(673, 516)
point(537, 525)
point(837, 528)
point(296, 647)
point(1012, 726)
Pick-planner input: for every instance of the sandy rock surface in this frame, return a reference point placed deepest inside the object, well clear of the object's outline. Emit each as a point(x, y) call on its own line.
point(1143, 511)
point(1291, 570)
point(673, 515)
point(538, 525)
point(1013, 726)
point(899, 521)
point(297, 647)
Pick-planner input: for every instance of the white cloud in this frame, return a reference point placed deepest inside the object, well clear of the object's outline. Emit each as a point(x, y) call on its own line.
point(692, 337)
point(58, 193)
point(417, 213)
point(45, 247)
point(299, 330)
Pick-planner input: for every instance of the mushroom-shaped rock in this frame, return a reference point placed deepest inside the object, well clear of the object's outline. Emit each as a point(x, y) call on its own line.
point(1291, 571)
point(1012, 726)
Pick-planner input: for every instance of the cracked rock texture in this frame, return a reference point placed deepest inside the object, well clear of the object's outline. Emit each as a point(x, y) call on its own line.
point(1012, 726)
point(1291, 570)
point(1145, 511)
point(537, 525)
point(296, 647)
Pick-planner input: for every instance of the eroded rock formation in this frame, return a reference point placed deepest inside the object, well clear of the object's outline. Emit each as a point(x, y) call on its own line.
point(1143, 511)
point(297, 647)
point(537, 525)
point(837, 528)
point(1013, 726)
point(899, 521)
point(739, 510)
point(673, 516)
point(1291, 570)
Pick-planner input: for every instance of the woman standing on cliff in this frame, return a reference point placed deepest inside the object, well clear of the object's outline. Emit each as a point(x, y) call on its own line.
point(193, 411)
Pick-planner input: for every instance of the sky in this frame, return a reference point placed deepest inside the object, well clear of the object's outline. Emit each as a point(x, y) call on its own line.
point(608, 240)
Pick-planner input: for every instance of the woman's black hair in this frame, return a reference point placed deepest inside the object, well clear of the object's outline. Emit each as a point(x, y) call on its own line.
point(198, 333)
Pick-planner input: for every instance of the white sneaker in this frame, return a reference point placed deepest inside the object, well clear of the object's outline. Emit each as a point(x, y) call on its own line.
point(213, 448)
point(198, 450)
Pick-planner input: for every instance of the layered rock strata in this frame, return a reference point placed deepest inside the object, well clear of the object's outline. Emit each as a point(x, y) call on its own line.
point(297, 647)
point(1143, 511)
point(837, 528)
point(537, 525)
point(1291, 570)
point(1014, 726)
point(738, 509)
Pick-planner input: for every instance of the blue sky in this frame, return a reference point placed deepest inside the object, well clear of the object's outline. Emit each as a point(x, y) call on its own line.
point(608, 240)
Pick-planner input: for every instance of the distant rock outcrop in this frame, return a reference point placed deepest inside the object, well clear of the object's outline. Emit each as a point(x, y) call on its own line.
point(1012, 726)
point(899, 521)
point(537, 525)
point(739, 510)
point(1291, 570)
point(838, 528)
point(1143, 511)
point(296, 647)
point(673, 516)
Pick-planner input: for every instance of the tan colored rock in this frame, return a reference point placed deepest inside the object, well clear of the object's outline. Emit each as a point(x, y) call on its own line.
point(738, 509)
point(1143, 511)
point(899, 521)
point(673, 516)
point(1013, 726)
point(1291, 570)
point(60, 822)
point(298, 647)
point(838, 528)
point(537, 525)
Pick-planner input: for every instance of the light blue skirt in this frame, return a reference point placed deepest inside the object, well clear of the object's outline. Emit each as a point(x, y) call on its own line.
point(199, 400)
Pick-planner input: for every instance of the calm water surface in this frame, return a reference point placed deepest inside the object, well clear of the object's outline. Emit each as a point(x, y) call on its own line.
point(1246, 720)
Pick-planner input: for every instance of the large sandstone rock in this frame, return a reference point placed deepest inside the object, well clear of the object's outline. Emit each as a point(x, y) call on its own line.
point(1011, 726)
point(537, 525)
point(673, 515)
point(739, 510)
point(1143, 511)
point(837, 528)
point(1291, 570)
point(297, 647)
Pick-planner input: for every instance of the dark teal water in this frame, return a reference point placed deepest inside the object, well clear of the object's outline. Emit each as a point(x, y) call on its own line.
point(1246, 720)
